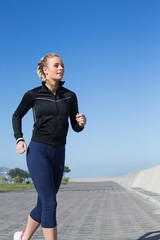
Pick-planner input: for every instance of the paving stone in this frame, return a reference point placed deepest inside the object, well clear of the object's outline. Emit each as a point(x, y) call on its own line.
point(87, 211)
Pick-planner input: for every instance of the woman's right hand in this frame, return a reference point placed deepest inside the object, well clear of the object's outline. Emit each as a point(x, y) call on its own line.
point(21, 147)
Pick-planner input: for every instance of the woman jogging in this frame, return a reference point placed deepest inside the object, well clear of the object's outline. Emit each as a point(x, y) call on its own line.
point(52, 106)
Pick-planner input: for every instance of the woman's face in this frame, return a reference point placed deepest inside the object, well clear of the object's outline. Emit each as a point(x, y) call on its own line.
point(54, 70)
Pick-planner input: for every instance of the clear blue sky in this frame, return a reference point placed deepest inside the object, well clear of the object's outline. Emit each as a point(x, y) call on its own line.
point(111, 51)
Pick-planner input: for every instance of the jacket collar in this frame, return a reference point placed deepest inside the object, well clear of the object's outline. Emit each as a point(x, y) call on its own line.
point(61, 83)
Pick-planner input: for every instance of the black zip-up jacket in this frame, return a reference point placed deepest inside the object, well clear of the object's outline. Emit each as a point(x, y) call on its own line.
point(50, 112)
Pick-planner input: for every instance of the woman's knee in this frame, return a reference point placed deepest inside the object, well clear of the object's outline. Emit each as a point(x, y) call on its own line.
point(49, 206)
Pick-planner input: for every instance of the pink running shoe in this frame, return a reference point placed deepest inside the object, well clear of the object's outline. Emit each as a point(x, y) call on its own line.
point(18, 235)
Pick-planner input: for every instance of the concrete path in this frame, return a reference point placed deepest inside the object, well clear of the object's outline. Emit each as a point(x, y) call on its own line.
point(87, 211)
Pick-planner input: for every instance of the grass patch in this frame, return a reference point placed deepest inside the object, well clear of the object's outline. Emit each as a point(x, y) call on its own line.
point(15, 187)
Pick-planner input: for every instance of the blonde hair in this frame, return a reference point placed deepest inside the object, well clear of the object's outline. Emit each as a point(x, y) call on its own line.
point(43, 63)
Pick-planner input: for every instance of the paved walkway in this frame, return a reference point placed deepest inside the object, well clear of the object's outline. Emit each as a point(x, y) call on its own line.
point(87, 211)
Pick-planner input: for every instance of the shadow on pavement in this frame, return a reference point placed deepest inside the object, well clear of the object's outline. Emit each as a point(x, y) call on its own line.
point(151, 236)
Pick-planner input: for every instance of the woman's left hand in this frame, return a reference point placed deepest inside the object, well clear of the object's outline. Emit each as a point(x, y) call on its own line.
point(81, 119)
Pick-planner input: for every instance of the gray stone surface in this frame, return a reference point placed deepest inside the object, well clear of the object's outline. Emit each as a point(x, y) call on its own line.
point(87, 211)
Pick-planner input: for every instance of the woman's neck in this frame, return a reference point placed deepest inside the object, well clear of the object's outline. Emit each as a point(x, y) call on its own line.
point(52, 87)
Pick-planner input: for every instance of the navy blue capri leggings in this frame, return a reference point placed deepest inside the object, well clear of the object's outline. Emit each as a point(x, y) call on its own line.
point(46, 165)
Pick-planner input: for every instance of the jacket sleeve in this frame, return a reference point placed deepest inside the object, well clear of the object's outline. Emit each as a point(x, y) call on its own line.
point(24, 106)
point(73, 112)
